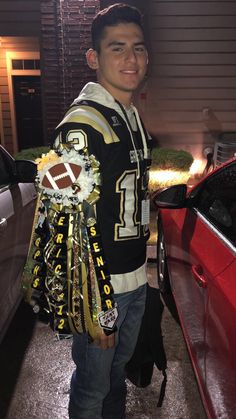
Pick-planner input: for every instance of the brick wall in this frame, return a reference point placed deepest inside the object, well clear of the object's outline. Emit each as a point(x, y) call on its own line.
point(65, 39)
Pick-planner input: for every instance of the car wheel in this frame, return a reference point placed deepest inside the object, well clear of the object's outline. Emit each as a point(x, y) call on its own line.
point(162, 270)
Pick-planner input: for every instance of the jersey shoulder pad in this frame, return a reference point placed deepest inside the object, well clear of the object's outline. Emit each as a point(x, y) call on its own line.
point(88, 115)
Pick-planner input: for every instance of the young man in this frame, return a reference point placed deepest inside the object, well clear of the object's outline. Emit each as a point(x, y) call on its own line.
point(104, 120)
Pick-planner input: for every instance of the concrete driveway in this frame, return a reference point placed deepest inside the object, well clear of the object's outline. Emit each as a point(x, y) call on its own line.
point(36, 370)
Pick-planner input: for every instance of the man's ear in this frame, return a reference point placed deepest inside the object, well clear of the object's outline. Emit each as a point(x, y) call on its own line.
point(92, 59)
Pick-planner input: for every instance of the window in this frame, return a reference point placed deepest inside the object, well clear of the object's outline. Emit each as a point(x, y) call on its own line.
point(217, 201)
point(25, 64)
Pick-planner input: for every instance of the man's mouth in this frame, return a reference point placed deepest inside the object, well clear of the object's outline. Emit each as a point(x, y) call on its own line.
point(129, 71)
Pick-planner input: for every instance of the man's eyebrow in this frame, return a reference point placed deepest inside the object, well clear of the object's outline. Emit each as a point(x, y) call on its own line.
point(120, 43)
point(115, 43)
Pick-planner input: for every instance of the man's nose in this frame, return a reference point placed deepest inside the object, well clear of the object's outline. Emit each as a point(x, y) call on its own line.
point(131, 55)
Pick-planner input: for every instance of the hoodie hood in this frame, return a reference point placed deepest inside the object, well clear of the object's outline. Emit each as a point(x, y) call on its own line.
point(97, 93)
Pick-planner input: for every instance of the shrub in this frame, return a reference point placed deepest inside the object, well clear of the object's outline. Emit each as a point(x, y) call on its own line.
point(31, 153)
point(170, 159)
point(169, 167)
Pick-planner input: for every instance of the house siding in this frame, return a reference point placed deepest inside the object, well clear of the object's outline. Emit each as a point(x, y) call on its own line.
point(19, 31)
point(19, 18)
point(189, 96)
point(10, 44)
point(191, 90)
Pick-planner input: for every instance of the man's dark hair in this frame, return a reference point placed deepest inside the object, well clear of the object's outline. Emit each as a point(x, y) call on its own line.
point(112, 16)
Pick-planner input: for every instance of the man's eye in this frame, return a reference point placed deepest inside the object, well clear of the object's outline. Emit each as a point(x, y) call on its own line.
point(117, 49)
point(140, 49)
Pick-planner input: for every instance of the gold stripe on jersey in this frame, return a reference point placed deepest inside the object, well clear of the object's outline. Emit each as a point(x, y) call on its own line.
point(88, 115)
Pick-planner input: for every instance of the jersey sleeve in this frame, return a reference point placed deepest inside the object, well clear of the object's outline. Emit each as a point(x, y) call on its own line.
point(84, 127)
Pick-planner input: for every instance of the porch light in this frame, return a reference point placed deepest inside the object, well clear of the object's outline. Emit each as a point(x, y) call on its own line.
point(197, 167)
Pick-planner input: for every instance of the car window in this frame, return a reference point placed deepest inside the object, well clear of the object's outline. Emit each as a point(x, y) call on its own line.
point(217, 201)
point(5, 175)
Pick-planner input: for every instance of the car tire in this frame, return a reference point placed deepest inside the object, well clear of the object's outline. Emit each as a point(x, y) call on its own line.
point(162, 270)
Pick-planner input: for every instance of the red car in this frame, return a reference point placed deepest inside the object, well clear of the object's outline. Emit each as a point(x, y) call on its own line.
point(17, 207)
point(196, 253)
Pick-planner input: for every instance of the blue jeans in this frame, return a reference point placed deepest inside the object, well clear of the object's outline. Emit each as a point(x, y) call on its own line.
point(98, 388)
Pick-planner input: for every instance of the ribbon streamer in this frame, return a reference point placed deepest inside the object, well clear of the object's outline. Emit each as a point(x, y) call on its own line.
point(66, 277)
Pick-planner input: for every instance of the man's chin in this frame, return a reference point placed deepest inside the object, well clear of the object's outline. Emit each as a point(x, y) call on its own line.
point(131, 87)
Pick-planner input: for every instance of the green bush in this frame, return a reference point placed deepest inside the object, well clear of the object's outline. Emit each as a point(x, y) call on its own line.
point(170, 159)
point(31, 153)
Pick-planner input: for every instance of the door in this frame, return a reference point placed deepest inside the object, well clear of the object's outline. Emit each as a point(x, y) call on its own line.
point(183, 231)
point(218, 209)
point(28, 109)
point(202, 260)
point(17, 205)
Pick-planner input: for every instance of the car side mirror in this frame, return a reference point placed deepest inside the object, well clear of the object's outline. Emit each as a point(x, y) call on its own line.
point(172, 197)
point(25, 171)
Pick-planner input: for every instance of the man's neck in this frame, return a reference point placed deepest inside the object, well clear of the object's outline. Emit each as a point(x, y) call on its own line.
point(125, 98)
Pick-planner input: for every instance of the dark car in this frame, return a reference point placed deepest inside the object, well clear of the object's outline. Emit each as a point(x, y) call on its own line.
point(17, 205)
point(197, 263)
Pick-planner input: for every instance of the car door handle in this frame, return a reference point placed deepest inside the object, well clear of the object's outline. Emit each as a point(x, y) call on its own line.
point(3, 224)
point(198, 276)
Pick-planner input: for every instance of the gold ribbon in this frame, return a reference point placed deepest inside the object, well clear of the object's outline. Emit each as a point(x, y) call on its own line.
point(68, 285)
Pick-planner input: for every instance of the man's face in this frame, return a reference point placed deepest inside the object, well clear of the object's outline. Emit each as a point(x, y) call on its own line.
point(122, 60)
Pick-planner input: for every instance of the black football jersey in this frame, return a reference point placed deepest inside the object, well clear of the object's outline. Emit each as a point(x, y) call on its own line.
point(124, 177)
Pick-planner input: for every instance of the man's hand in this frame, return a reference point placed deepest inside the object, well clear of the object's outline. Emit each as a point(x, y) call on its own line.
point(104, 341)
